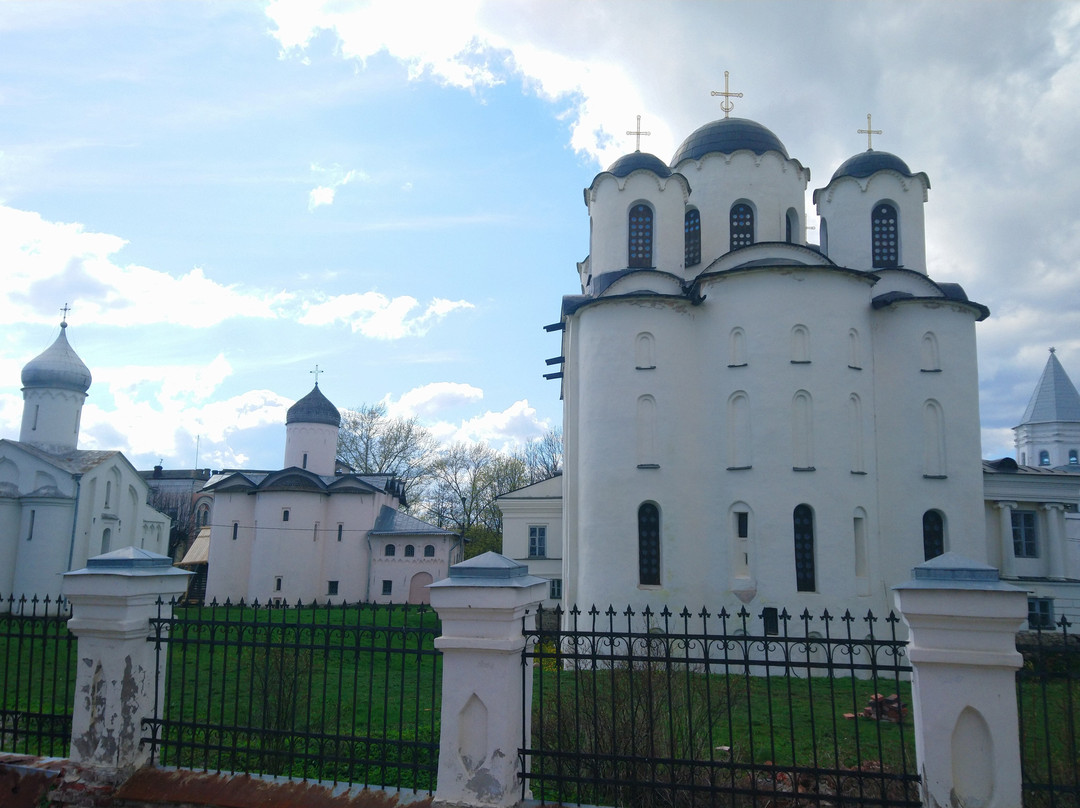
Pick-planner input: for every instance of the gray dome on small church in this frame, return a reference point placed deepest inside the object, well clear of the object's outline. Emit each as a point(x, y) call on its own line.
point(639, 160)
point(870, 162)
point(314, 408)
point(57, 366)
point(726, 136)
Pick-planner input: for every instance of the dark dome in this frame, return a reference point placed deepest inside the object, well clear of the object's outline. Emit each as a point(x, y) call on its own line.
point(728, 135)
point(870, 162)
point(314, 408)
point(639, 160)
point(58, 366)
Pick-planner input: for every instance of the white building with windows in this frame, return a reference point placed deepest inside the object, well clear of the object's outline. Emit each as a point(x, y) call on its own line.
point(749, 418)
point(1032, 524)
point(532, 531)
point(60, 504)
point(315, 530)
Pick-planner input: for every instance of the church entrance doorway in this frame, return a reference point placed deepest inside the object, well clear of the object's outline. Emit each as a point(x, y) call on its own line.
point(418, 592)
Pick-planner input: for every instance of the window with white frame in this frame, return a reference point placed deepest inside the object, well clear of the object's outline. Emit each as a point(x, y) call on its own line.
point(537, 541)
point(1024, 534)
point(1041, 613)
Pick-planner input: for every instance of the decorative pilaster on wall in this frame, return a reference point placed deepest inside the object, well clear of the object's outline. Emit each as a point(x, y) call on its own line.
point(962, 646)
point(113, 599)
point(482, 606)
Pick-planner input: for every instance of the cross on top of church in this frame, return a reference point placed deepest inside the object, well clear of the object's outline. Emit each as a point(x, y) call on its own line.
point(727, 104)
point(316, 372)
point(869, 133)
point(64, 310)
point(638, 133)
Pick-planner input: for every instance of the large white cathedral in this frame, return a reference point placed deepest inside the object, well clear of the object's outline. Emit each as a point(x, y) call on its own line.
point(752, 419)
point(60, 504)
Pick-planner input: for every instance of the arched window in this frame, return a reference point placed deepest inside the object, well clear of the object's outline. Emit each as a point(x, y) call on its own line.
point(646, 431)
point(854, 350)
point(931, 360)
point(800, 344)
point(648, 544)
point(742, 225)
point(692, 237)
point(737, 348)
point(805, 572)
point(106, 540)
point(739, 434)
point(855, 431)
point(933, 535)
point(1044, 458)
point(933, 440)
point(823, 239)
point(791, 226)
point(429, 551)
point(644, 355)
point(885, 235)
point(802, 431)
point(391, 550)
point(641, 236)
point(1072, 457)
point(410, 551)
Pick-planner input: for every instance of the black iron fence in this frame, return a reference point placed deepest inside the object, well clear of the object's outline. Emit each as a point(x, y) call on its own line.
point(701, 709)
point(340, 693)
point(37, 676)
point(1048, 694)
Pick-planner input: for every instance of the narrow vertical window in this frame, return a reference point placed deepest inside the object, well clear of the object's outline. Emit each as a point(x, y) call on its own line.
point(644, 353)
point(823, 239)
point(800, 344)
point(646, 431)
point(235, 530)
point(37, 408)
point(854, 350)
point(739, 437)
point(108, 492)
point(305, 460)
point(555, 591)
point(340, 527)
point(537, 541)
point(737, 348)
point(855, 430)
point(387, 587)
point(742, 225)
point(692, 237)
point(641, 236)
point(1024, 535)
point(933, 535)
point(30, 531)
point(315, 532)
point(285, 515)
point(933, 440)
point(802, 432)
point(885, 235)
point(649, 545)
point(859, 534)
point(106, 540)
point(805, 571)
point(1072, 457)
point(930, 358)
point(1044, 458)
point(741, 566)
point(791, 227)
point(277, 583)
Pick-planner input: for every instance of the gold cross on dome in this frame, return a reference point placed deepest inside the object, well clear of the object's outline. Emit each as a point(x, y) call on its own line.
point(638, 133)
point(727, 105)
point(316, 372)
point(869, 133)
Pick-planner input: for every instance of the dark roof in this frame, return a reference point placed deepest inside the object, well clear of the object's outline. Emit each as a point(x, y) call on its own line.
point(639, 160)
point(728, 135)
point(870, 162)
point(57, 366)
point(1055, 398)
point(314, 408)
point(73, 461)
point(394, 522)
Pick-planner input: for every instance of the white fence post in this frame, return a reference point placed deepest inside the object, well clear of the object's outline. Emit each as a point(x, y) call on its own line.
point(963, 623)
point(113, 599)
point(484, 686)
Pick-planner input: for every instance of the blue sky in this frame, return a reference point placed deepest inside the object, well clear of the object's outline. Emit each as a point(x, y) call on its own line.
point(230, 193)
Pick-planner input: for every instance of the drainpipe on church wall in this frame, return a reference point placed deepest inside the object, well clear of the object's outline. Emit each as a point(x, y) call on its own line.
point(74, 520)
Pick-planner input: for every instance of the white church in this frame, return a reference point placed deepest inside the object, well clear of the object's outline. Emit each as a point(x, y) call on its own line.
point(749, 418)
point(60, 504)
point(315, 531)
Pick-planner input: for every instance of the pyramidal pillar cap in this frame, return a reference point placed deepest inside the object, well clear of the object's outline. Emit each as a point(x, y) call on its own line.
point(489, 569)
point(954, 571)
point(130, 561)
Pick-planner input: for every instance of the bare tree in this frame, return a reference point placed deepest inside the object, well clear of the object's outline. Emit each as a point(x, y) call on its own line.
point(543, 457)
point(178, 505)
point(373, 442)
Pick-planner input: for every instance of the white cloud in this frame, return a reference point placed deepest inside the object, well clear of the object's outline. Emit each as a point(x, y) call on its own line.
point(333, 177)
point(431, 399)
point(375, 315)
point(504, 430)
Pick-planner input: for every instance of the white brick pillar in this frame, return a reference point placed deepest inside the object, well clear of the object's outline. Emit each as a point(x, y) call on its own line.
point(113, 599)
point(962, 647)
point(484, 685)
